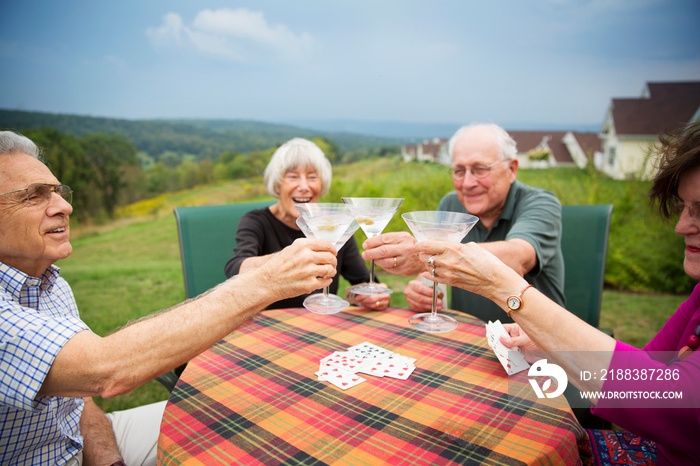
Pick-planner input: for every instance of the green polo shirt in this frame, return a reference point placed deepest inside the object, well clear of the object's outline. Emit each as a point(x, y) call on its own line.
point(531, 214)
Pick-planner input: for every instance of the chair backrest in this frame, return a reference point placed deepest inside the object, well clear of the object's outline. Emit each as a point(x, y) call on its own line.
point(584, 243)
point(207, 238)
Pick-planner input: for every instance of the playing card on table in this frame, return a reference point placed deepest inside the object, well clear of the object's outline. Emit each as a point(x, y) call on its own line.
point(341, 368)
point(345, 381)
point(398, 371)
point(511, 359)
point(343, 360)
point(326, 372)
point(369, 351)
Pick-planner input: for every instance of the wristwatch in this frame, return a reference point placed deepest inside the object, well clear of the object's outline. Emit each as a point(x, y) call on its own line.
point(514, 302)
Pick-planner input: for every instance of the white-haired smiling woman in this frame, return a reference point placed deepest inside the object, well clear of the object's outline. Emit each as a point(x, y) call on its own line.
point(298, 172)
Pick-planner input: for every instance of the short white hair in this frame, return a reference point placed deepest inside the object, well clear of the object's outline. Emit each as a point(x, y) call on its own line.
point(506, 144)
point(295, 153)
point(13, 143)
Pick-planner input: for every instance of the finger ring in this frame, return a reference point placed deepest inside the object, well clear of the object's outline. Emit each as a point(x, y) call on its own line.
point(376, 304)
point(431, 261)
point(432, 272)
point(394, 261)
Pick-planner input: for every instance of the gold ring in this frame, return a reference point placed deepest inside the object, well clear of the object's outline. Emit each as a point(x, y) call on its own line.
point(376, 304)
point(394, 261)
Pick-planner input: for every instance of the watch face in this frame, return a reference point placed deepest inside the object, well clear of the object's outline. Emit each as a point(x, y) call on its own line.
point(513, 303)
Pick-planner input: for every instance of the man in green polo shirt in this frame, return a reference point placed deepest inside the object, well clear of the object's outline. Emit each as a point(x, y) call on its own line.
point(519, 224)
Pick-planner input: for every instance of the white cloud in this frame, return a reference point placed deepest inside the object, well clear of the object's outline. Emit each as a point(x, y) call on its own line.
point(237, 35)
point(168, 33)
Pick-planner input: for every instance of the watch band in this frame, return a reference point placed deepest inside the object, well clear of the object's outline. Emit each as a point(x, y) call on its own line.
point(519, 300)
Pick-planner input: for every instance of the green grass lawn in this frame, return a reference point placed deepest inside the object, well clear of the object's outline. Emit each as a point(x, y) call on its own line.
point(122, 273)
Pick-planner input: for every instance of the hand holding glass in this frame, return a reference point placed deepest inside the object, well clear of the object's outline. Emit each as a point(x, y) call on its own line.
point(372, 214)
point(437, 226)
point(334, 223)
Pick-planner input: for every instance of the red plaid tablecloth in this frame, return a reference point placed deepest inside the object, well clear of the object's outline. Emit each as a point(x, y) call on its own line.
point(254, 398)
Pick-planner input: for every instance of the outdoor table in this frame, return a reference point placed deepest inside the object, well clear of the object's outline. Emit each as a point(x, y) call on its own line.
point(254, 398)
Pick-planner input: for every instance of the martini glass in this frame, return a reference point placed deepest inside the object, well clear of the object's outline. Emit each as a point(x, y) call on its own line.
point(301, 223)
point(373, 215)
point(437, 226)
point(334, 223)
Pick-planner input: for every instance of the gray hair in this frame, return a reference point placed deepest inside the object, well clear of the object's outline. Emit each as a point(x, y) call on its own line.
point(295, 153)
point(506, 144)
point(13, 143)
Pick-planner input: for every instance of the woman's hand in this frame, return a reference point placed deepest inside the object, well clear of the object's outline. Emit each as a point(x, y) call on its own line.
point(518, 338)
point(468, 266)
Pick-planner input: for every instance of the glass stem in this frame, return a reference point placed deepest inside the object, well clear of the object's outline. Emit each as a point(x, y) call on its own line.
point(371, 272)
point(325, 291)
point(433, 313)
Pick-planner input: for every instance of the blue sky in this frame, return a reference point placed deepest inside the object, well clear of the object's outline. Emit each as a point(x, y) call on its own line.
point(529, 64)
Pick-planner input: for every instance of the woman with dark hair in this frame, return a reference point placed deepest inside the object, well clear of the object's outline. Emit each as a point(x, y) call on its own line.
point(642, 380)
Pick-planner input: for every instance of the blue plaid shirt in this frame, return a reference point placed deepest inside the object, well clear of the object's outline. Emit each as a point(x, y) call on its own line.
point(37, 317)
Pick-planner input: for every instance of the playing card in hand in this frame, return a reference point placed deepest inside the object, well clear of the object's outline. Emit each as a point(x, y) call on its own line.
point(511, 359)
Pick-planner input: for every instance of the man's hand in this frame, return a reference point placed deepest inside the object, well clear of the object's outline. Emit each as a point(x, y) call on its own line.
point(374, 302)
point(393, 252)
point(420, 297)
point(100, 446)
point(302, 267)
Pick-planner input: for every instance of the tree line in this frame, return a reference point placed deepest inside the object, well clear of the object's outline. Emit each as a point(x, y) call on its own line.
point(197, 140)
point(106, 171)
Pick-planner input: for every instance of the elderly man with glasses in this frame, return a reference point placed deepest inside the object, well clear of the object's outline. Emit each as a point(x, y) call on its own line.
point(519, 224)
point(51, 364)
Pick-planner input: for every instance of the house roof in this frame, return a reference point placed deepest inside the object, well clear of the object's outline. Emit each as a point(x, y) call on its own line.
point(527, 140)
point(664, 106)
point(433, 146)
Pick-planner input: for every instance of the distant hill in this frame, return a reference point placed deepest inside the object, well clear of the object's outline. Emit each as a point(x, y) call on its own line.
point(201, 138)
point(412, 132)
point(406, 131)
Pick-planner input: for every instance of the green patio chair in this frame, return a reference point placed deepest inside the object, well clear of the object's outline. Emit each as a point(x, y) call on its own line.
point(584, 243)
point(207, 237)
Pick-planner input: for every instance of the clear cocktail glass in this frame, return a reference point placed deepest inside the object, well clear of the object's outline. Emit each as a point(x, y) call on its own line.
point(437, 226)
point(373, 214)
point(334, 223)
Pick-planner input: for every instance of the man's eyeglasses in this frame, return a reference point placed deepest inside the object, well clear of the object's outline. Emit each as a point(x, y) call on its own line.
point(478, 171)
point(693, 209)
point(40, 193)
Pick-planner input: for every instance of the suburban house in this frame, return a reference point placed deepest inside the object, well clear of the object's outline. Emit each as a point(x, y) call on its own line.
point(433, 150)
point(632, 126)
point(630, 129)
point(542, 149)
point(536, 149)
